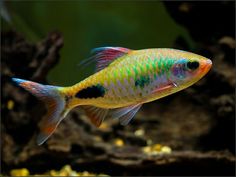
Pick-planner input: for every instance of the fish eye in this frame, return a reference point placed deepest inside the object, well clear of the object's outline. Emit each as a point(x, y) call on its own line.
point(192, 65)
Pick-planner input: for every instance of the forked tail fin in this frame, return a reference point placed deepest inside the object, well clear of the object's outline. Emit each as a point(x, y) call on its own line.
point(54, 98)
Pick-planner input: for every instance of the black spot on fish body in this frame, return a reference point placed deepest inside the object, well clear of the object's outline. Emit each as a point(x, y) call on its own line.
point(93, 91)
point(142, 81)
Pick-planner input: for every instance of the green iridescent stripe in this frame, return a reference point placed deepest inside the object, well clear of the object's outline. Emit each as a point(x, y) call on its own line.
point(148, 65)
point(160, 68)
point(135, 71)
point(154, 63)
point(129, 72)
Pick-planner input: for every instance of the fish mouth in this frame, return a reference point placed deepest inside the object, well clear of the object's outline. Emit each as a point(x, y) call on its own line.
point(208, 62)
point(206, 66)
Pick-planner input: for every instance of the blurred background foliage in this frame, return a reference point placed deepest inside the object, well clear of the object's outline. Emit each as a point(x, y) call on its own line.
point(90, 24)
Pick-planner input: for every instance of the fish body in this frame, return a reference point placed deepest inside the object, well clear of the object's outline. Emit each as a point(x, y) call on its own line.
point(125, 79)
point(135, 77)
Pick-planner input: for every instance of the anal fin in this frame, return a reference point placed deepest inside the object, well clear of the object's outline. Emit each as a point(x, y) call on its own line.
point(95, 114)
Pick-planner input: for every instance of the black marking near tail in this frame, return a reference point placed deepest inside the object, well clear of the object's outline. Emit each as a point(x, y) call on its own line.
point(94, 91)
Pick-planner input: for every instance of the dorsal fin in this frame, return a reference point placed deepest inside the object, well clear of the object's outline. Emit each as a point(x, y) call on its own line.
point(103, 56)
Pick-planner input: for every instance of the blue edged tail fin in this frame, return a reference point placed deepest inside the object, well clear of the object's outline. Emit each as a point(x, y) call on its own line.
point(54, 99)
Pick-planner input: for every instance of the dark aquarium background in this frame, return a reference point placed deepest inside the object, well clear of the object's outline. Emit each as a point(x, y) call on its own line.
point(191, 132)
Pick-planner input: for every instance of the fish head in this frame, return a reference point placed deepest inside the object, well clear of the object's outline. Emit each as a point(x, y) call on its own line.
point(189, 68)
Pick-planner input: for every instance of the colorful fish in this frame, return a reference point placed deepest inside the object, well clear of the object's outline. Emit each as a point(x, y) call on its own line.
point(125, 79)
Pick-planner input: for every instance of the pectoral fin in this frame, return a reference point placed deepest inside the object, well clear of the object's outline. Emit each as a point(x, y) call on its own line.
point(125, 114)
point(165, 88)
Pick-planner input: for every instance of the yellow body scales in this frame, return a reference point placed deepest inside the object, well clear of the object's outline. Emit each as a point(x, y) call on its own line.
point(125, 79)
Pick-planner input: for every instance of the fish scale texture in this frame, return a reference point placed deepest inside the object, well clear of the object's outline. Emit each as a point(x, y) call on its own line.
point(131, 78)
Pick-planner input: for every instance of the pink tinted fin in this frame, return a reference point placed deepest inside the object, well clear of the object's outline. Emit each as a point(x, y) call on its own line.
point(167, 87)
point(125, 114)
point(95, 114)
point(104, 56)
point(54, 101)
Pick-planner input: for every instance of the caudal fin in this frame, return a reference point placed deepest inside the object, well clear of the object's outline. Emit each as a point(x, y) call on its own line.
point(54, 99)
